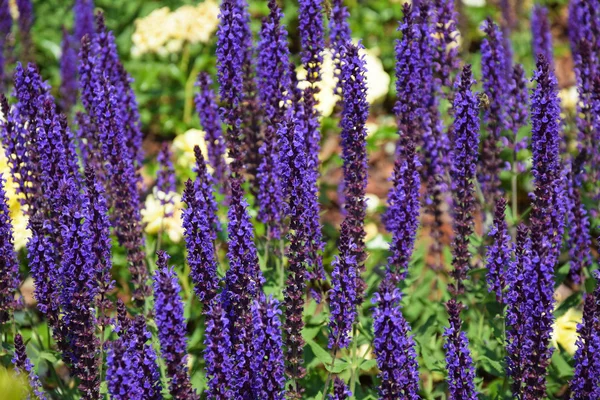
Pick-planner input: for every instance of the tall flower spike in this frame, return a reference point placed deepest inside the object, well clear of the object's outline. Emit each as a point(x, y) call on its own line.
point(578, 224)
point(274, 83)
point(446, 61)
point(402, 216)
point(23, 365)
point(584, 23)
point(25, 20)
point(518, 99)
point(204, 181)
point(466, 143)
point(340, 390)
point(546, 221)
point(217, 351)
point(461, 371)
point(498, 257)
point(354, 154)
point(9, 267)
point(586, 380)
point(339, 36)
point(199, 239)
point(84, 18)
point(494, 86)
point(6, 23)
point(542, 36)
point(168, 308)
point(268, 364)
point(208, 111)
point(68, 72)
point(165, 177)
point(394, 346)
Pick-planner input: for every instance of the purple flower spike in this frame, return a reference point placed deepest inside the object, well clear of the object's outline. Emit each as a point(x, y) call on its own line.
point(461, 372)
point(584, 24)
point(499, 253)
point(217, 352)
point(9, 267)
point(171, 325)
point(208, 111)
point(165, 177)
point(518, 102)
point(23, 365)
point(466, 143)
point(132, 372)
point(68, 72)
point(268, 363)
point(394, 346)
point(586, 380)
point(354, 153)
point(578, 224)
point(199, 239)
point(339, 36)
point(446, 61)
point(6, 23)
point(204, 183)
point(542, 36)
point(340, 390)
point(402, 216)
point(84, 18)
point(25, 21)
point(495, 87)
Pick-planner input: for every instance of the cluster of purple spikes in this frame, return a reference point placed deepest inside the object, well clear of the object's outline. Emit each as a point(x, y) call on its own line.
point(80, 186)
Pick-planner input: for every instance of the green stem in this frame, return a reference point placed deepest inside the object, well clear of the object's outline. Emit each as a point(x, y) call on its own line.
point(354, 366)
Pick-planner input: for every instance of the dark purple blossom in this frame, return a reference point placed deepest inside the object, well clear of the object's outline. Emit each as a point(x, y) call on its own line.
point(541, 34)
point(586, 380)
point(495, 88)
point(68, 71)
point(204, 182)
point(584, 24)
point(23, 365)
point(402, 216)
point(268, 363)
point(25, 23)
point(165, 177)
point(518, 99)
point(340, 390)
point(217, 351)
point(208, 111)
point(9, 267)
point(339, 35)
point(394, 346)
point(498, 257)
point(465, 145)
point(578, 225)
point(444, 26)
point(168, 308)
point(83, 11)
point(461, 371)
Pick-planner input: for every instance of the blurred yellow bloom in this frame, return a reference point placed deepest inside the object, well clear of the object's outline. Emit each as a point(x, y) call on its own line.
point(13, 386)
point(19, 220)
point(569, 97)
point(565, 330)
point(184, 147)
point(378, 81)
point(164, 31)
point(161, 217)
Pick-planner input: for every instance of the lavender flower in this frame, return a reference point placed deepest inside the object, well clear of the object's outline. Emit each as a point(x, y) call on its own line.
point(268, 363)
point(217, 351)
point(204, 183)
point(518, 101)
point(340, 390)
point(207, 109)
point(461, 372)
point(583, 24)
point(586, 380)
point(444, 25)
point(132, 371)
point(394, 347)
point(68, 72)
point(354, 153)
point(579, 242)
point(168, 308)
point(199, 238)
point(495, 87)
point(499, 253)
point(339, 36)
point(466, 141)
point(84, 18)
point(23, 365)
point(165, 177)
point(25, 22)
point(9, 267)
point(402, 216)
point(540, 31)
point(5, 30)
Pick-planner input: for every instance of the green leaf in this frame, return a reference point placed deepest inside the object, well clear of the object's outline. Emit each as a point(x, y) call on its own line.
point(321, 354)
point(368, 365)
point(45, 355)
point(309, 333)
point(561, 365)
point(492, 366)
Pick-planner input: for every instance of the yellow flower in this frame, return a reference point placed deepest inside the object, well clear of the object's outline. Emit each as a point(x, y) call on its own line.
point(565, 330)
point(161, 217)
point(19, 220)
point(164, 32)
point(569, 97)
point(378, 81)
point(184, 147)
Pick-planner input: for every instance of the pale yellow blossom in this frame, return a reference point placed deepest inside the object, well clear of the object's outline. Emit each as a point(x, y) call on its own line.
point(183, 146)
point(164, 31)
point(565, 330)
point(569, 97)
point(163, 216)
point(19, 220)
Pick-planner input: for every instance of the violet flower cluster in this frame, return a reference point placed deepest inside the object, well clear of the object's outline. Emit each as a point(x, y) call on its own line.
point(9, 267)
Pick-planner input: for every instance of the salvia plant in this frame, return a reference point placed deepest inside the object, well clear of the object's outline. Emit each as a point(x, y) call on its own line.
point(483, 285)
